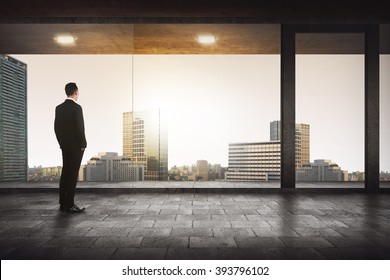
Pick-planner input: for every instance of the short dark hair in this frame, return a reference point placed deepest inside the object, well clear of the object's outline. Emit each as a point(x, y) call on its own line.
point(70, 88)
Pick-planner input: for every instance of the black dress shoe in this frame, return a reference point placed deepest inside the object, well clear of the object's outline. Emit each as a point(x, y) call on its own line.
point(75, 209)
point(63, 208)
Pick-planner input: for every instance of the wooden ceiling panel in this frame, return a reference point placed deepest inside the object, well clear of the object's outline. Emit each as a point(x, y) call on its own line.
point(174, 39)
point(91, 38)
point(230, 38)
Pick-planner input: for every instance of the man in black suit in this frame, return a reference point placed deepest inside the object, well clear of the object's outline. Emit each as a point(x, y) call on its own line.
point(69, 129)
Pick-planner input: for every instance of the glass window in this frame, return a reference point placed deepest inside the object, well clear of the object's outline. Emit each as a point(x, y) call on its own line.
point(330, 109)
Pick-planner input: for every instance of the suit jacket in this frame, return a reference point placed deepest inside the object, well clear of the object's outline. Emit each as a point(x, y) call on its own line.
point(69, 125)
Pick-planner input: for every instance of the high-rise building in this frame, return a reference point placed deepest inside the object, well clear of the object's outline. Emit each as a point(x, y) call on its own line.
point(258, 161)
point(321, 170)
point(13, 120)
point(202, 170)
point(145, 142)
point(302, 145)
point(109, 167)
point(302, 141)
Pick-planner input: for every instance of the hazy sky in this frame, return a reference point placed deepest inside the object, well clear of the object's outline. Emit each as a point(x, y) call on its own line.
point(211, 100)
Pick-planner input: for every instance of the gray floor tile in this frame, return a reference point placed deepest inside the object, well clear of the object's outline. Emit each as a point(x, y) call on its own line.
point(345, 242)
point(66, 231)
point(24, 223)
point(228, 217)
point(31, 253)
point(122, 217)
point(262, 242)
point(319, 232)
point(175, 212)
point(117, 242)
point(233, 232)
point(243, 254)
point(193, 217)
point(355, 253)
point(151, 232)
point(248, 224)
point(103, 231)
point(166, 242)
point(139, 254)
point(208, 212)
point(24, 241)
point(192, 254)
point(88, 253)
point(133, 224)
point(192, 232)
point(71, 241)
point(164, 224)
point(304, 242)
point(211, 224)
point(96, 224)
point(272, 232)
point(212, 242)
point(13, 232)
point(296, 254)
point(352, 232)
point(158, 218)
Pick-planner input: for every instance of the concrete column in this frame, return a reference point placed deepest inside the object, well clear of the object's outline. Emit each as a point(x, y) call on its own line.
point(287, 110)
point(371, 92)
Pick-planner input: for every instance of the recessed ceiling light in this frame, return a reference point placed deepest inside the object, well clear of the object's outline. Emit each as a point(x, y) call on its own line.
point(206, 39)
point(65, 39)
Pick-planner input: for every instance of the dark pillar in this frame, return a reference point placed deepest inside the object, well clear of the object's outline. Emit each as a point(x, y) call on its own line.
point(371, 92)
point(287, 110)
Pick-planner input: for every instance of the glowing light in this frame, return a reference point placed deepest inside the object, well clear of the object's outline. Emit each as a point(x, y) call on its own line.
point(206, 39)
point(65, 39)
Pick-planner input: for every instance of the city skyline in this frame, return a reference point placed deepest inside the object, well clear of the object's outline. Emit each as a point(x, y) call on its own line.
point(216, 100)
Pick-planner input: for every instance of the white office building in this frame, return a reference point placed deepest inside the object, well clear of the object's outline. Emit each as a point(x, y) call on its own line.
point(258, 161)
point(109, 167)
point(321, 170)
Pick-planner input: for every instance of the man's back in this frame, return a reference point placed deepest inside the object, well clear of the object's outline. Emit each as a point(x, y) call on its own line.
point(69, 125)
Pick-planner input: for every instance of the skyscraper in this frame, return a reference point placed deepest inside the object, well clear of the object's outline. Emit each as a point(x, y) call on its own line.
point(302, 141)
point(13, 120)
point(145, 142)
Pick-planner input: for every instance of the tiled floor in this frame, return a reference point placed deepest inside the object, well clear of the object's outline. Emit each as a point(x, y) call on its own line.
point(196, 225)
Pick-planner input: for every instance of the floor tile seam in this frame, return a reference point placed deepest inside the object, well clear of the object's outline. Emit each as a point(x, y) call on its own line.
point(254, 232)
point(116, 222)
point(116, 249)
point(93, 243)
point(341, 233)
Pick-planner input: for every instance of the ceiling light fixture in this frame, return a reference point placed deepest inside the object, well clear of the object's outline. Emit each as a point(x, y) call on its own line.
point(65, 39)
point(206, 39)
